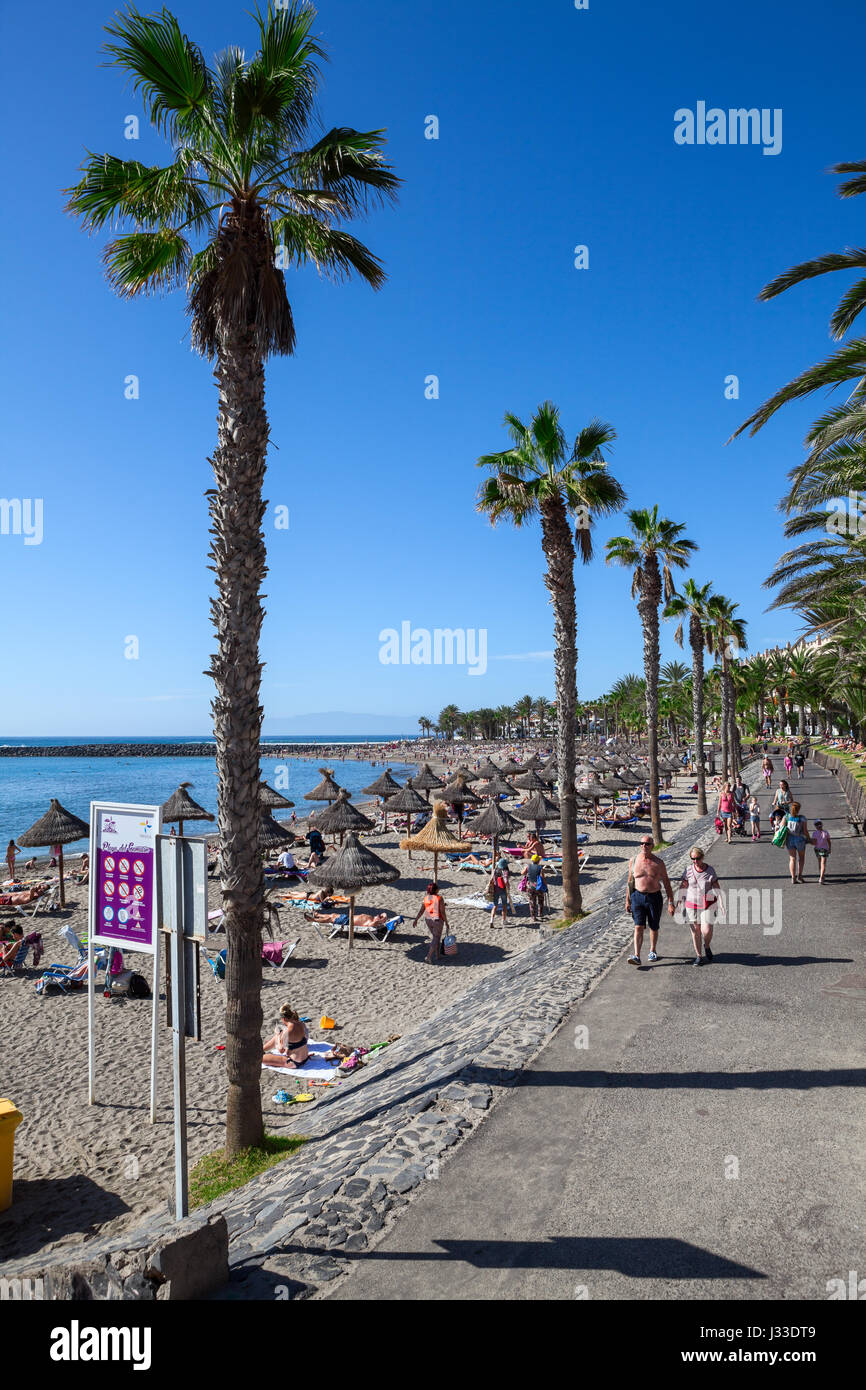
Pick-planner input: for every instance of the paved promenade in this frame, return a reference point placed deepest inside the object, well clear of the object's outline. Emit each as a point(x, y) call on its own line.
point(706, 1142)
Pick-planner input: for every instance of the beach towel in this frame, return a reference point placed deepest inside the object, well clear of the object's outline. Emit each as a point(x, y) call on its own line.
point(315, 1068)
point(476, 900)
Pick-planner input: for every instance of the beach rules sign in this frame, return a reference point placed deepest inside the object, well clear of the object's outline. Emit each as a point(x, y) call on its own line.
point(123, 875)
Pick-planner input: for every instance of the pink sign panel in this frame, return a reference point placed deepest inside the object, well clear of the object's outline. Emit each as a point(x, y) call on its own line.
point(123, 911)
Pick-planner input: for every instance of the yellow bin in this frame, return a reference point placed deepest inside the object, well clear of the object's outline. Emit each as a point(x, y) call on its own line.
point(10, 1119)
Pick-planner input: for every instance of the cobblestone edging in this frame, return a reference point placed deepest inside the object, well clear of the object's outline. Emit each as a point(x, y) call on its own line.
point(371, 1146)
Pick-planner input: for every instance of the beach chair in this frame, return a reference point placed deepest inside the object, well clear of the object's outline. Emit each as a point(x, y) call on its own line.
point(66, 978)
point(278, 953)
point(387, 929)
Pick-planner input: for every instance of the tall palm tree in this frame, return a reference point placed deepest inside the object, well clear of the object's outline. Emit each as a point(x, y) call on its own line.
point(250, 186)
point(652, 538)
point(449, 720)
point(692, 603)
point(758, 669)
point(522, 711)
point(540, 477)
point(673, 678)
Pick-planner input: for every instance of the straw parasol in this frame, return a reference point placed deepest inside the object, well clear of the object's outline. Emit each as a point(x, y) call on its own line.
point(530, 782)
point(383, 786)
point(494, 821)
point(532, 763)
point(593, 791)
point(327, 790)
point(408, 800)
point(427, 781)
point(488, 769)
point(180, 807)
point(57, 827)
point(466, 773)
point(497, 786)
point(538, 808)
point(269, 798)
point(342, 817)
point(435, 835)
point(272, 835)
point(354, 867)
point(458, 794)
point(510, 767)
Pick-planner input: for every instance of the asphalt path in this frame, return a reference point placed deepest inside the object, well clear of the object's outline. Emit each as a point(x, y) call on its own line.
point(688, 1132)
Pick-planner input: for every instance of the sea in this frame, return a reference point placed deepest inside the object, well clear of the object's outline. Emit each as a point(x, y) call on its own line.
point(28, 784)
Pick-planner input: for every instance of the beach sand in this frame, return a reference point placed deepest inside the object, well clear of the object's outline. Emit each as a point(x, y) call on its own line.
point(83, 1170)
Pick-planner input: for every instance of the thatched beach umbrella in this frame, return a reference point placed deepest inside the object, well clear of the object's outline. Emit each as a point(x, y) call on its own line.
point(539, 808)
point(408, 800)
point(532, 763)
point(342, 817)
point(427, 781)
point(383, 786)
point(57, 827)
point(272, 835)
point(435, 835)
point(327, 790)
point(495, 822)
point(510, 767)
point(593, 791)
point(466, 773)
point(270, 798)
point(459, 795)
point(496, 787)
point(180, 807)
point(353, 868)
point(612, 785)
point(530, 782)
point(488, 769)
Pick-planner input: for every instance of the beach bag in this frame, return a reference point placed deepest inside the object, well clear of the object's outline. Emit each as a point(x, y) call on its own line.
point(523, 884)
point(720, 825)
point(489, 892)
point(781, 834)
point(449, 944)
point(138, 987)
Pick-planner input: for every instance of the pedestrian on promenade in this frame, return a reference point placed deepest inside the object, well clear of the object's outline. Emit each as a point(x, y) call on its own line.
point(767, 770)
point(798, 835)
point(781, 801)
point(647, 875)
point(800, 763)
point(789, 762)
point(726, 809)
point(755, 817)
point(701, 886)
point(823, 846)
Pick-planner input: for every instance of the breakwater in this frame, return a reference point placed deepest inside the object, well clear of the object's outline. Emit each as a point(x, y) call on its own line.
point(325, 752)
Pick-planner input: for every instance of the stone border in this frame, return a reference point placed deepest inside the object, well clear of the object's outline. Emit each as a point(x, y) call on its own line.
point(855, 792)
point(372, 1146)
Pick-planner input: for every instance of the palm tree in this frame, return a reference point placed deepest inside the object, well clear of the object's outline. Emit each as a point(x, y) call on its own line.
point(522, 711)
point(651, 537)
point(779, 686)
point(503, 719)
point(540, 709)
point(540, 477)
point(425, 725)
point(758, 669)
point(673, 684)
point(692, 603)
point(245, 183)
point(449, 720)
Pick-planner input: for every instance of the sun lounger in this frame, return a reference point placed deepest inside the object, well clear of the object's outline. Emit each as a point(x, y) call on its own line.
point(387, 928)
point(619, 824)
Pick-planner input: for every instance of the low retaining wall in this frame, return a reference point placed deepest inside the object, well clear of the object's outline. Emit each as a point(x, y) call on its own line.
point(855, 791)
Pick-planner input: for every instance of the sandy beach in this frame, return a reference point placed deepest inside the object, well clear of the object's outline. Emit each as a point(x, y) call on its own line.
point(81, 1169)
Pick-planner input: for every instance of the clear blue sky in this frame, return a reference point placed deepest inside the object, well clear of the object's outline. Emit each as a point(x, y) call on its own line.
point(556, 129)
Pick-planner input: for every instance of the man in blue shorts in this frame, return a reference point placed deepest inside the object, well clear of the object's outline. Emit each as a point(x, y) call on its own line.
point(647, 876)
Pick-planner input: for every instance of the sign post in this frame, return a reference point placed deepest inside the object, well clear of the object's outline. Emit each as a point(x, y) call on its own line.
point(122, 904)
point(182, 912)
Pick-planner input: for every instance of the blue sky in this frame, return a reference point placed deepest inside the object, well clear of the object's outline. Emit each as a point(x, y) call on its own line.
point(556, 130)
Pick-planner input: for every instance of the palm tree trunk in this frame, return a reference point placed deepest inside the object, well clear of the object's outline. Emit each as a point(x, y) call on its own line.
point(723, 692)
point(558, 548)
point(648, 607)
point(238, 556)
point(696, 638)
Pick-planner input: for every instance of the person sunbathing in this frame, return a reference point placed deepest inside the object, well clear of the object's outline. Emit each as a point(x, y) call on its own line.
point(299, 895)
point(287, 1047)
point(485, 862)
point(362, 919)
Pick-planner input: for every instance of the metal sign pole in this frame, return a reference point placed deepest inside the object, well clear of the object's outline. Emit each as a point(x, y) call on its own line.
point(178, 1039)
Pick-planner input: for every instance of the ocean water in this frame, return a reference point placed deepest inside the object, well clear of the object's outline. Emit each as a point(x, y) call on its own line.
point(28, 784)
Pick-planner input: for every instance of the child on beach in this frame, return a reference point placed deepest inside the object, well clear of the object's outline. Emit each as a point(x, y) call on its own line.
point(823, 846)
point(755, 817)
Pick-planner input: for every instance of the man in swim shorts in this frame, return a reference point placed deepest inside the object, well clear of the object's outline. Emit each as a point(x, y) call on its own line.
point(647, 875)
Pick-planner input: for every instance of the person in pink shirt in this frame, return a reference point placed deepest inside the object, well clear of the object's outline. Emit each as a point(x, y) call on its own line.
point(822, 845)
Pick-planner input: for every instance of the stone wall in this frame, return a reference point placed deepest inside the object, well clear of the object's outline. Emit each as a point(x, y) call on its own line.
point(855, 791)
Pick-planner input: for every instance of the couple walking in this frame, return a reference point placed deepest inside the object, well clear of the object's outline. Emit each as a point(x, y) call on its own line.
point(647, 877)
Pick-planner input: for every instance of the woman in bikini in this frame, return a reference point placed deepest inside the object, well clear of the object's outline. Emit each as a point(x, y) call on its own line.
point(288, 1045)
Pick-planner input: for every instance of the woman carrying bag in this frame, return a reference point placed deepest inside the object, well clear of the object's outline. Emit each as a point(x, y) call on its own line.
point(796, 841)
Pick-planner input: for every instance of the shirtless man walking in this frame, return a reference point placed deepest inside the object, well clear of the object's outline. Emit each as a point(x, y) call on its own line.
point(647, 875)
